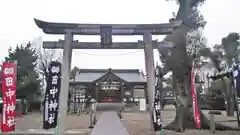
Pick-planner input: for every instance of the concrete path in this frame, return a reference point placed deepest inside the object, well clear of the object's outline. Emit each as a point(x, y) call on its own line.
point(109, 124)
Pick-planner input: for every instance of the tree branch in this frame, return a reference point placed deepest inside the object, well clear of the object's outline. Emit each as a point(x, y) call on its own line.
point(45, 57)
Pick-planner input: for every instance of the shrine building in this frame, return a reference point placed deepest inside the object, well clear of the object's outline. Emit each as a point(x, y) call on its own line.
point(108, 85)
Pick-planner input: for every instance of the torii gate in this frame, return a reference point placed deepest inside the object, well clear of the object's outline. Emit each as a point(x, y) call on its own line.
point(105, 31)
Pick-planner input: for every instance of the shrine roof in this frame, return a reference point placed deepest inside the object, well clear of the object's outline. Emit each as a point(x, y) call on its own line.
point(90, 75)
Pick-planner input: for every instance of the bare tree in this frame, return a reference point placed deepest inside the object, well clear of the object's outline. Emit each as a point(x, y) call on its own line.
point(45, 57)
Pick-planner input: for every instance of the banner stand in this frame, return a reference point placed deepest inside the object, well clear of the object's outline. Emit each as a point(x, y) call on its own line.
point(57, 127)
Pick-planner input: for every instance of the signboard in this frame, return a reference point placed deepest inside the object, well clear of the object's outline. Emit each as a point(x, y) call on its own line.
point(51, 100)
point(196, 113)
point(9, 77)
point(106, 36)
point(142, 104)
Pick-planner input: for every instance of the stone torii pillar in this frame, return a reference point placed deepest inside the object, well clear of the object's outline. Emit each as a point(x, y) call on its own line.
point(66, 67)
point(150, 71)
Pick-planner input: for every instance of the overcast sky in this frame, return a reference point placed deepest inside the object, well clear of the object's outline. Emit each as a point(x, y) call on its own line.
point(17, 25)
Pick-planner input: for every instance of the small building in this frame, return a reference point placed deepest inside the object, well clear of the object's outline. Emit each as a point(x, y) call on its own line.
point(108, 85)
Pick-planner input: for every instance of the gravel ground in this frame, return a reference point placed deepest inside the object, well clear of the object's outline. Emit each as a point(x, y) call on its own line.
point(136, 123)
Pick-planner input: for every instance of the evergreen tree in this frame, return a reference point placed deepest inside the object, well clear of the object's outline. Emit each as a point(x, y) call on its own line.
point(27, 78)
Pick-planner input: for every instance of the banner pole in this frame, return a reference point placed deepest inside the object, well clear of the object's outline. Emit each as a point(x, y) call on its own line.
point(15, 62)
point(161, 132)
point(57, 127)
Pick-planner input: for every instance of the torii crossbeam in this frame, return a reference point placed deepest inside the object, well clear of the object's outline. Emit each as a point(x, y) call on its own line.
point(97, 45)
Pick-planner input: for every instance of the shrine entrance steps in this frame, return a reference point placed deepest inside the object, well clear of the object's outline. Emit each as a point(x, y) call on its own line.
point(109, 124)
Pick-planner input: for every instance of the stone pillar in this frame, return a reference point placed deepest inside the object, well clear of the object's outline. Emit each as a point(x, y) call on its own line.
point(149, 64)
point(70, 56)
point(97, 92)
point(122, 92)
point(65, 82)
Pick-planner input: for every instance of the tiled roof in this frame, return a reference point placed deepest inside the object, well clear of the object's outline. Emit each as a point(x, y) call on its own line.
point(90, 75)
